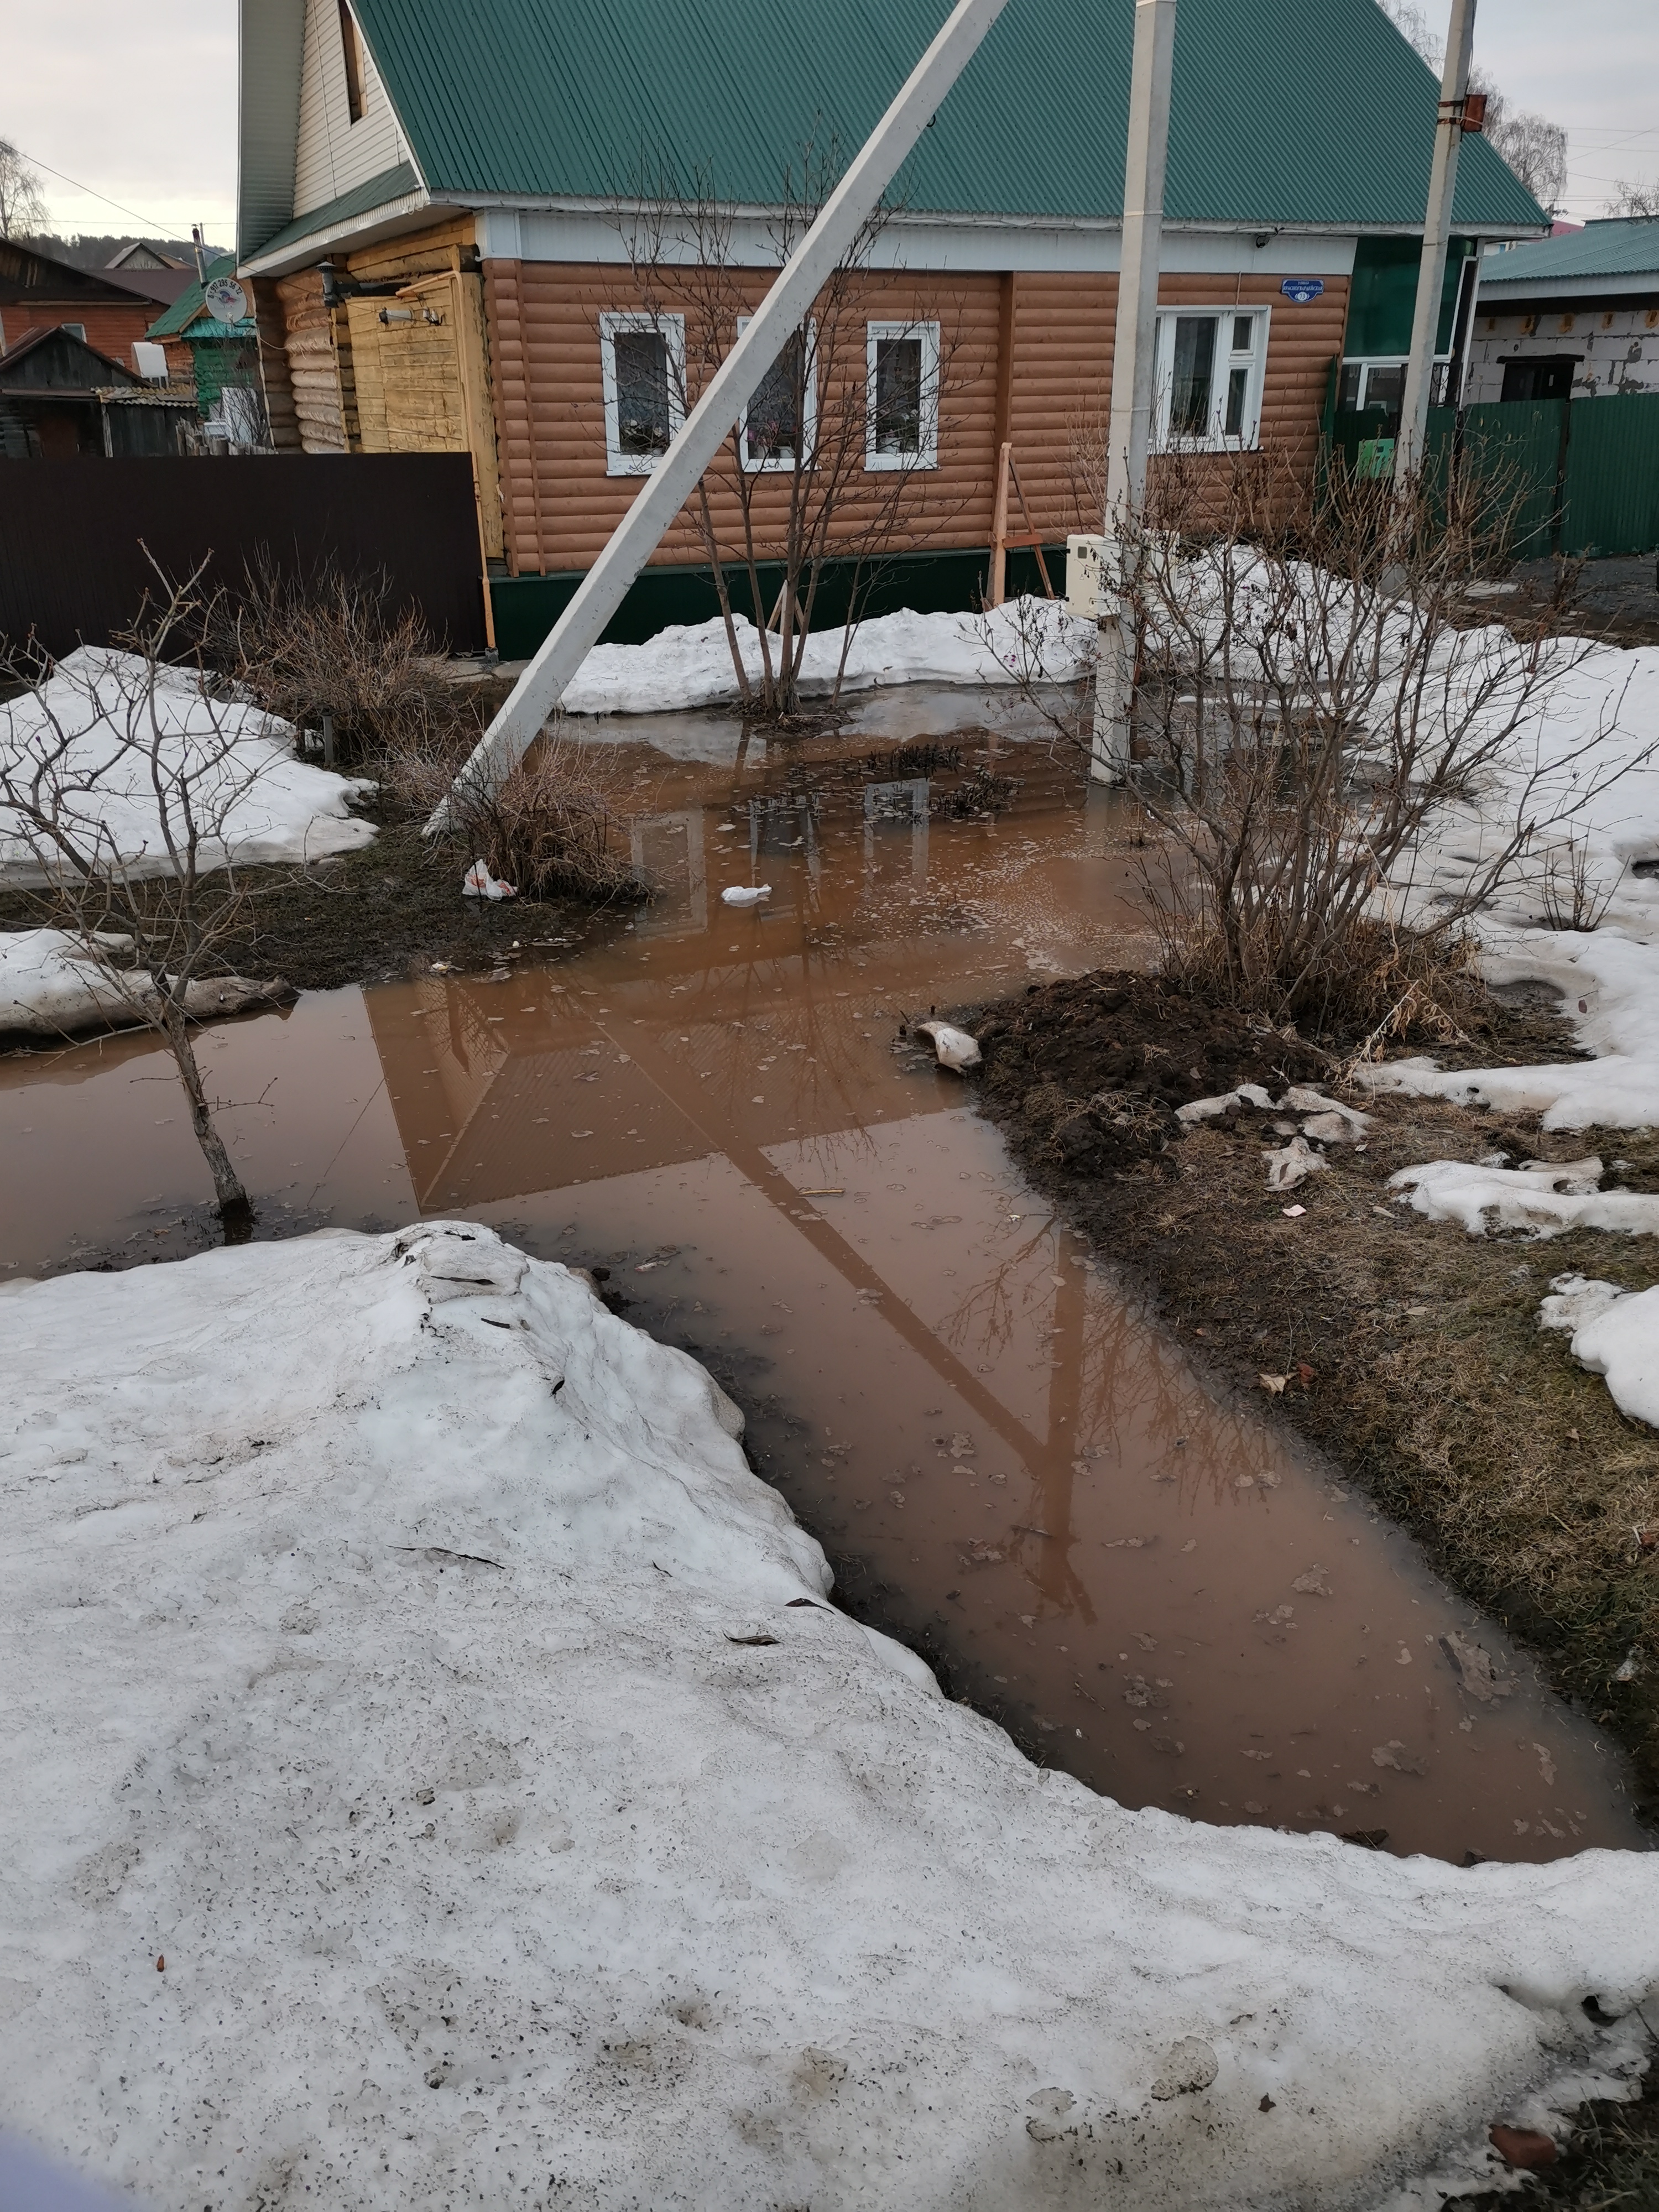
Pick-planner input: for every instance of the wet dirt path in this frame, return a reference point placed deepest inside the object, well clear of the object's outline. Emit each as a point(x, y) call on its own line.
point(1008, 1464)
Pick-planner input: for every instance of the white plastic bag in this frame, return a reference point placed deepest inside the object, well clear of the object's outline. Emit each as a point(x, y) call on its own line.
point(478, 883)
point(745, 893)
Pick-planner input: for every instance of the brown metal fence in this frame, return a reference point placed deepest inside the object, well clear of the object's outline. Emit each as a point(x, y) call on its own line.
point(74, 533)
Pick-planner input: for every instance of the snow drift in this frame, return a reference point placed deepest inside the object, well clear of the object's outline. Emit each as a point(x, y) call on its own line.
point(52, 985)
point(436, 1777)
point(279, 808)
point(689, 664)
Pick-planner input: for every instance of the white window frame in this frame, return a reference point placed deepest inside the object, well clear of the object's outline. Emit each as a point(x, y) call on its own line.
point(1227, 358)
point(784, 465)
point(926, 454)
point(671, 328)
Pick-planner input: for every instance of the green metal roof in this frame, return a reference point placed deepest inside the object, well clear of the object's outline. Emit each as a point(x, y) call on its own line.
point(180, 319)
point(394, 184)
point(1619, 246)
point(1293, 111)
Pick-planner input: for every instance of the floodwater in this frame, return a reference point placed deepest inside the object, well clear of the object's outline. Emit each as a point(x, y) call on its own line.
point(1008, 1465)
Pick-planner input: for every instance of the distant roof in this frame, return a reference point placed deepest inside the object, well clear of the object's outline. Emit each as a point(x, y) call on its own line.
point(139, 254)
point(1295, 113)
point(162, 286)
point(56, 340)
point(188, 316)
point(1624, 248)
point(27, 274)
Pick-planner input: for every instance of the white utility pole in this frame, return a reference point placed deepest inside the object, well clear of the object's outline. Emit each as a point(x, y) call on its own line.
point(694, 446)
point(1134, 357)
point(1411, 446)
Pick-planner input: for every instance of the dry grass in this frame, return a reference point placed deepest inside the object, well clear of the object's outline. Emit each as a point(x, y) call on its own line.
point(547, 830)
point(1435, 1385)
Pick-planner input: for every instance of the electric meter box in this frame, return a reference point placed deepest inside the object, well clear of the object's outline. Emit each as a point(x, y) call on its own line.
point(1086, 594)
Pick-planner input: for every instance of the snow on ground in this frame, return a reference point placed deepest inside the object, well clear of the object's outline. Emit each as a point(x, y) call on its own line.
point(1615, 1333)
point(52, 985)
point(1606, 854)
point(1544, 1198)
point(274, 807)
point(689, 664)
point(436, 1778)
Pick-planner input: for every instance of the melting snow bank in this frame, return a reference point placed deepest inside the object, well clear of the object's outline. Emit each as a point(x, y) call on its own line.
point(434, 1776)
point(89, 726)
point(1615, 1333)
point(689, 664)
point(1541, 1196)
point(50, 985)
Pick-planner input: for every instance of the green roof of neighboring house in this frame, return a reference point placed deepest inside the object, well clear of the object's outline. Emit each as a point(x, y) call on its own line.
point(1286, 111)
point(1619, 246)
point(395, 184)
point(188, 316)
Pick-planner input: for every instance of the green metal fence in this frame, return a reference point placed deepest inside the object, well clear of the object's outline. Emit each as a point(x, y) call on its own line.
point(1585, 471)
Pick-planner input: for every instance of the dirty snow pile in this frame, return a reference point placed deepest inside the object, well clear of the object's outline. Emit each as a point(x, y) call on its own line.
point(1595, 859)
point(689, 664)
point(52, 985)
point(1543, 1198)
point(1615, 1333)
point(434, 1777)
point(94, 724)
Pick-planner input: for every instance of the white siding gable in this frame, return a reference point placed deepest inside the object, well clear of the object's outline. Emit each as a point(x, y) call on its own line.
point(334, 154)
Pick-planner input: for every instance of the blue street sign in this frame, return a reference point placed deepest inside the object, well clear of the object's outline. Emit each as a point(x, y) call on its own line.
point(1303, 288)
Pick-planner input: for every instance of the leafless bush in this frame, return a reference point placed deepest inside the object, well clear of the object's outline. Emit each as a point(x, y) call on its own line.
point(547, 830)
point(826, 462)
point(333, 654)
point(1342, 769)
point(125, 790)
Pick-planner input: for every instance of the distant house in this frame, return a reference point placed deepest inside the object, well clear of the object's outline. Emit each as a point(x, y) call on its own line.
point(219, 360)
point(435, 203)
point(109, 309)
point(1576, 316)
point(140, 254)
point(61, 399)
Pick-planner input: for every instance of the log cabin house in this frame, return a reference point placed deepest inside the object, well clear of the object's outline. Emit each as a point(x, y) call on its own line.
point(441, 207)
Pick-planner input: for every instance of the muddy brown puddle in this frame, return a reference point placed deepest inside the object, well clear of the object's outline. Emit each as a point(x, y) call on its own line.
point(1008, 1465)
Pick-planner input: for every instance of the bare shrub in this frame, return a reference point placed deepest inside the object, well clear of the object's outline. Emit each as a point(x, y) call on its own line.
point(125, 789)
point(331, 652)
point(547, 828)
point(1342, 769)
point(823, 465)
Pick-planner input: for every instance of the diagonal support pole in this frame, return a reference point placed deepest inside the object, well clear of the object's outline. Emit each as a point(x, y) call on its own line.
point(698, 439)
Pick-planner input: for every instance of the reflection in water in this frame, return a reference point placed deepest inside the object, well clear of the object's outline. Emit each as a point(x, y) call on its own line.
point(1006, 1462)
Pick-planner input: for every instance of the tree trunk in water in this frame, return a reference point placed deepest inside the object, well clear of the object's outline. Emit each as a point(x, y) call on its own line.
point(234, 1208)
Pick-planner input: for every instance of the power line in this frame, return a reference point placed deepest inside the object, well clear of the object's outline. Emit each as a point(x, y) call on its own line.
point(35, 162)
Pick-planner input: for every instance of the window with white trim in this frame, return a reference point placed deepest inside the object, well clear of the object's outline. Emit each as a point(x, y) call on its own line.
point(902, 382)
point(1211, 367)
point(781, 422)
point(643, 360)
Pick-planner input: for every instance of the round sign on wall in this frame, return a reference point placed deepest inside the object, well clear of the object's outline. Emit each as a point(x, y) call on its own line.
point(226, 302)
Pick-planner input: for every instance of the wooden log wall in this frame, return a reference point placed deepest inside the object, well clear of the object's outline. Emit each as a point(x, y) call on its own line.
point(271, 321)
point(314, 366)
point(1032, 352)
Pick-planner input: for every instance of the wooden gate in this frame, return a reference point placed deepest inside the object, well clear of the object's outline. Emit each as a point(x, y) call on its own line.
point(422, 380)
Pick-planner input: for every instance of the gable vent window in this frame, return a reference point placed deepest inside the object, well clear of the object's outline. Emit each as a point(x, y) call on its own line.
point(352, 53)
point(1211, 368)
point(643, 360)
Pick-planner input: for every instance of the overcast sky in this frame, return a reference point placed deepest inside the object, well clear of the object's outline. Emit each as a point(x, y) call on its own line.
point(139, 104)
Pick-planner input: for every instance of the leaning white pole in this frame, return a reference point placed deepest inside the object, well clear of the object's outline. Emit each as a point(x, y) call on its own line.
point(1135, 354)
point(1411, 446)
point(695, 445)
